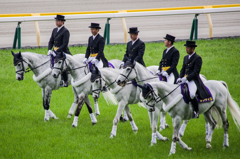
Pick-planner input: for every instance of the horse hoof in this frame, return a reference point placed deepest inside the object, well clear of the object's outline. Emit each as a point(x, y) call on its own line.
point(152, 144)
point(55, 118)
point(97, 114)
point(94, 123)
point(165, 139)
point(135, 131)
point(111, 136)
point(208, 146)
point(166, 126)
point(189, 149)
point(69, 116)
point(45, 119)
point(225, 146)
point(171, 153)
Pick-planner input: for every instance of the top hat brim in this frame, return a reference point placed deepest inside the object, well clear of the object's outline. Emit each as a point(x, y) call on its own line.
point(190, 45)
point(59, 19)
point(168, 39)
point(94, 27)
point(133, 32)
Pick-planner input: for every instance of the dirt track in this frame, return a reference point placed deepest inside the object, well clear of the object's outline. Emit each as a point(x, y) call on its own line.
point(151, 28)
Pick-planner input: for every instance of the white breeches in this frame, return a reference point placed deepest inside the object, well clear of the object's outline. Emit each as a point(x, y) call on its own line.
point(99, 64)
point(171, 78)
point(192, 88)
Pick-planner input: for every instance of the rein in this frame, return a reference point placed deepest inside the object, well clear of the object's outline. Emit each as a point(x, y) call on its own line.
point(29, 68)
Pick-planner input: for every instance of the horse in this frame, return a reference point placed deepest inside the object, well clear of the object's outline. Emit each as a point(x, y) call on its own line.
point(179, 110)
point(134, 70)
point(105, 78)
point(80, 81)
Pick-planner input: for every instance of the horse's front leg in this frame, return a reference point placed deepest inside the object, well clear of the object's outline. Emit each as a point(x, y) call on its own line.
point(128, 113)
point(74, 105)
point(183, 127)
point(154, 122)
point(46, 95)
point(175, 138)
point(88, 103)
point(97, 112)
point(163, 124)
point(81, 101)
point(121, 106)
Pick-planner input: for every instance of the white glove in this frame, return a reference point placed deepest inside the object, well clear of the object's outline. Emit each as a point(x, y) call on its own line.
point(165, 74)
point(182, 80)
point(179, 80)
point(158, 73)
point(50, 52)
point(122, 64)
point(85, 60)
point(95, 61)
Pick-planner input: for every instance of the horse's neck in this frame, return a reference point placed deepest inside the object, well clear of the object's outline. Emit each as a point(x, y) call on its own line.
point(165, 90)
point(144, 75)
point(78, 73)
point(35, 60)
point(110, 75)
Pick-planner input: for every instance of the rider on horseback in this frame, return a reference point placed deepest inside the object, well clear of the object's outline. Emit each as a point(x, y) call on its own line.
point(59, 42)
point(135, 47)
point(167, 66)
point(94, 52)
point(190, 75)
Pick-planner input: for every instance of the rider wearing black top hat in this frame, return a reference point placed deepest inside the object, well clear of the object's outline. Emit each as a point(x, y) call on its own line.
point(190, 74)
point(94, 52)
point(59, 42)
point(135, 47)
point(168, 64)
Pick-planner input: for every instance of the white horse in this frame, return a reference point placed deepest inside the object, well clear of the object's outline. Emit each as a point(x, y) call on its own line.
point(129, 94)
point(179, 110)
point(80, 80)
point(134, 70)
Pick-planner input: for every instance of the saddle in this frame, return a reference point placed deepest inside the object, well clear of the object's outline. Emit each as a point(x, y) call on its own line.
point(109, 65)
point(186, 95)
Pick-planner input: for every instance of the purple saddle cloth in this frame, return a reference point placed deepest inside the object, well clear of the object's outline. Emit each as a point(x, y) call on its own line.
point(186, 97)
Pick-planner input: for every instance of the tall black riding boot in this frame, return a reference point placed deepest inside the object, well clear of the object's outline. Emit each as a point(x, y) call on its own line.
point(64, 78)
point(194, 102)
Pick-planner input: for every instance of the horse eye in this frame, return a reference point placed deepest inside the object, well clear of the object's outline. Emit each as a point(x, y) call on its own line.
point(59, 62)
point(19, 64)
point(128, 69)
point(96, 81)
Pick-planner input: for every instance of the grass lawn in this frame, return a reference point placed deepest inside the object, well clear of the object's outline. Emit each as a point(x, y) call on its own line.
point(24, 134)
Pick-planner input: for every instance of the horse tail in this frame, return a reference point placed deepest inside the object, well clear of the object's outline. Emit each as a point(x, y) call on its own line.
point(233, 107)
point(110, 98)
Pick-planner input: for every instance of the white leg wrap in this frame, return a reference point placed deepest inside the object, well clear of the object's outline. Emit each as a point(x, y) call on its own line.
point(52, 115)
point(209, 136)
point(183, 145)
point(114, 131)
point(46, 118)
point(173, 148)
point(225, 141)
point(160, 137)
point(125, 117)
point(154, 139)
point(75, 121)
point(134, 127)
point(71, 110)
point(182, 129)
point(162, 121)
point(97, 112)
point(93, 119)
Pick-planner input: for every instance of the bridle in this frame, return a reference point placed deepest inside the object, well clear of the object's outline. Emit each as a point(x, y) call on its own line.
point(29, 67)
point(126, 77)
point(101, 87)
point(156, 98)
point(67, 69)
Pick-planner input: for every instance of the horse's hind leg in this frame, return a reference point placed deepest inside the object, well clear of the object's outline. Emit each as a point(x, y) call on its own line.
point(74, 105)
point(133, 125)
point(92, 116)
point(212, 124)
point(225, 127)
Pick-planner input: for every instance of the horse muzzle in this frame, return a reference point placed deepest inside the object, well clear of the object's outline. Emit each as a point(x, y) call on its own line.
point(151, 109)
point(121, 83)
point(20, 77)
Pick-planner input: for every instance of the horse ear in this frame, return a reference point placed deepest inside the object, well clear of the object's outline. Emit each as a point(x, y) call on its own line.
point(12, 53)
point(20, 55)
point(61, 53)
